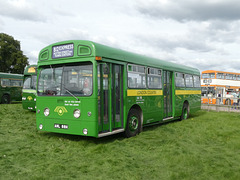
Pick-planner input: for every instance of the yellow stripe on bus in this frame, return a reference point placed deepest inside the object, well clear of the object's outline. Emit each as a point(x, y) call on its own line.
point(184, 92)
point(138, 92)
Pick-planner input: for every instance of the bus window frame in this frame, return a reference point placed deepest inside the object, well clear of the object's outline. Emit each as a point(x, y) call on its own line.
point(209, 76)
point(136, 72)
point(185, 76)
point(156, 75)
point(183, 80)
point(194, 81)
point(21, 81)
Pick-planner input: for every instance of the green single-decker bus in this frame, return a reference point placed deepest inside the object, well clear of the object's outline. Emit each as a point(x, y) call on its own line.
point(85, 88)
point(10, 87)
point(29, 88)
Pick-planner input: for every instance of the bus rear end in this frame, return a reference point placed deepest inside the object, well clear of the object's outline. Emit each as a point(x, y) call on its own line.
point(66, 94)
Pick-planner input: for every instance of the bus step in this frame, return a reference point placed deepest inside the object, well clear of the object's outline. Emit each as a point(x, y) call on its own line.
point(169, 118)
point(110, 133)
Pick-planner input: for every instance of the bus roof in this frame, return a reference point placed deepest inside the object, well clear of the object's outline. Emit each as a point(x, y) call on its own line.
point(30, 70)
point(115, 54)
point(214, 71)
point(9, 75)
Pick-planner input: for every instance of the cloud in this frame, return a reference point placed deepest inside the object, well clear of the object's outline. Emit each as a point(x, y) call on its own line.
point(171, 43)
point(188, 10)
point(75, 34)
point(1, 24)
point(32, 57)
point(20, 10)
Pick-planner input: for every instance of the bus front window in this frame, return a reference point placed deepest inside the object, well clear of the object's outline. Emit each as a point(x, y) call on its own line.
point(27, 83)
point(68, 80)
point(34, 82)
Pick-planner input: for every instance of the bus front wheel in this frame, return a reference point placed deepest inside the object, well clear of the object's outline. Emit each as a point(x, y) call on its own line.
point(133, 123)
point(185, 111)
point(5, 99)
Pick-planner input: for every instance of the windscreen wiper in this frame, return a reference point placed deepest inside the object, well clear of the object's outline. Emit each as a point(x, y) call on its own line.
point(69, 92)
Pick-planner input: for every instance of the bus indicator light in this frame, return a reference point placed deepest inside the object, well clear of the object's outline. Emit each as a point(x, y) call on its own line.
point(98, 58)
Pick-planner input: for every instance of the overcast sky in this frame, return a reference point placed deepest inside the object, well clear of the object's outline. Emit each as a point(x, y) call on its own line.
point(203, 34)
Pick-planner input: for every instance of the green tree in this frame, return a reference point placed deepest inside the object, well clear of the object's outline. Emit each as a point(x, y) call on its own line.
point(12, 59)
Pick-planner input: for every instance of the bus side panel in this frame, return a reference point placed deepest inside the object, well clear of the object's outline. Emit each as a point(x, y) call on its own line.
point(16, 93)
point(1, 92)
point(151, 106)
point(194, 101)
point(13, 92)
point(179, 99)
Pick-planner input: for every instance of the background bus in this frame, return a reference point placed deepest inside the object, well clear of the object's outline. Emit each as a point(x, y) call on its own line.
point(219, 87)
point(85, 88)
point(29, 88)
point(10, 87)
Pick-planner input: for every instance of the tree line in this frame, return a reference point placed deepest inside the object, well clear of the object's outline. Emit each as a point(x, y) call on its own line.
point(12, 59)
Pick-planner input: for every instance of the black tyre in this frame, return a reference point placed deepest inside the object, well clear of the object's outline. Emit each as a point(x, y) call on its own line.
point(5, 99)
point(133, 123)
point(185, 112)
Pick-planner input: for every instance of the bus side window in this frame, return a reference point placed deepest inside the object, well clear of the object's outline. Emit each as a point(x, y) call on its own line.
point(154, 78)
point(136, 76)
point(196, 81)
point(179, 80)
point(188, 80)
point(5, 82)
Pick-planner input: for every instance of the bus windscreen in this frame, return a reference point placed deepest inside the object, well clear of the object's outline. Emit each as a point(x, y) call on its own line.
point(66, 80)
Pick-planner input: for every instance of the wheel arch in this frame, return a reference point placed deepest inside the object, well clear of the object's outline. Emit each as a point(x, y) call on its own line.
point(139, 109)
point(187, 103)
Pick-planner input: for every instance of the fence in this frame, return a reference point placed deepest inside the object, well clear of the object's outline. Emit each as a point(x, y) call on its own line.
point(221, 104)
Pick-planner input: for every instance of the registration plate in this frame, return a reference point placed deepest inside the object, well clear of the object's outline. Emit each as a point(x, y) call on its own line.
point(61, 126)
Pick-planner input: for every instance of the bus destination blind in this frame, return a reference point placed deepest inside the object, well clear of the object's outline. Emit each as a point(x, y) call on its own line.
point(62, 51)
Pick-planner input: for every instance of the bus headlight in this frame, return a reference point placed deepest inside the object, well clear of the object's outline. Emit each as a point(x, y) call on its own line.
point(85, 131)
point(46, 112)
point(23, 98)
point(76, 113)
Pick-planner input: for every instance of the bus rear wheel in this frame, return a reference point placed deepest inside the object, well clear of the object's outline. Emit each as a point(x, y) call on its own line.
point(133, 123)
point(185, 112)
point(5, 99)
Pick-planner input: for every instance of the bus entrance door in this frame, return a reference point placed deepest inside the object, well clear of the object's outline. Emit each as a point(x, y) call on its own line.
point(110, 97)
point(167, 93)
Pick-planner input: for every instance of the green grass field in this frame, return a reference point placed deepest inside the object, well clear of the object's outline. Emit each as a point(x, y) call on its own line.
point(206, 146)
